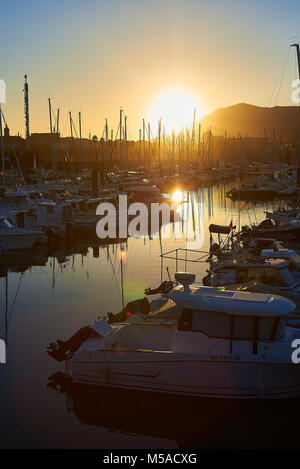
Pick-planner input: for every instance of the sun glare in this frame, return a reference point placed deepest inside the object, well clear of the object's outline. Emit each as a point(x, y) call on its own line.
point(176, 109)
point(177, 196)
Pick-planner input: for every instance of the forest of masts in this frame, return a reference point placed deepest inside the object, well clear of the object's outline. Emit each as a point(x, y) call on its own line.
point(191, 147)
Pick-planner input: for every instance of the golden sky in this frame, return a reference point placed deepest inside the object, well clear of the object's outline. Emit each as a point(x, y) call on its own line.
point(97, 56)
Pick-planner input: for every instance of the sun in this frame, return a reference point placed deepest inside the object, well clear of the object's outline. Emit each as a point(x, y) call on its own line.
point(177, 196)
point(176, 108)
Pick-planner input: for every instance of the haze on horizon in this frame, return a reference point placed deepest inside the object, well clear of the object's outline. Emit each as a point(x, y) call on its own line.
point(96, 56)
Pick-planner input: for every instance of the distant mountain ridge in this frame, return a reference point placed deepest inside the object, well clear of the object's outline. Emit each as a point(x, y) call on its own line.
point(253, 121)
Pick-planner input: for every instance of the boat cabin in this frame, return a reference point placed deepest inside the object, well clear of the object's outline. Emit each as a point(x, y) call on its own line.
point(241, 320)
point(85, 207)
point(234, 326)
point(289, 255)
point(273, 272)
point(17, 198)
point(209, 321)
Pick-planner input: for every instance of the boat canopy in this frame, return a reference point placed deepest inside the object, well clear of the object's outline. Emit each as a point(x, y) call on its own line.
point(259, 287)
point(253, 262)
point(17, 197)
point(220, 229)
point(278, 253)
point(232, 302)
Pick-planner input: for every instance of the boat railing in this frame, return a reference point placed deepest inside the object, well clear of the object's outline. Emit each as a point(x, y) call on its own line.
point(186, 255)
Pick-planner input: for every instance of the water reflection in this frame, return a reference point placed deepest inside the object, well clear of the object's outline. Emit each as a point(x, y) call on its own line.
point(180, 422)
point(50, 293)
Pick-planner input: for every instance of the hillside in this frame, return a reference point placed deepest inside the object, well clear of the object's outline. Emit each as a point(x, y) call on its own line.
point(250, 121)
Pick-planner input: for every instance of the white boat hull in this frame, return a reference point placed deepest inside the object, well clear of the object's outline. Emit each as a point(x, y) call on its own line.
point(17, 240)
point(187, 374)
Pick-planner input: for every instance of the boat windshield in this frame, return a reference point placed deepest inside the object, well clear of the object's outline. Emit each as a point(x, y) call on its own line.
point(5, 224)
point(234, 327)
point(16, 200)
point(268, 275)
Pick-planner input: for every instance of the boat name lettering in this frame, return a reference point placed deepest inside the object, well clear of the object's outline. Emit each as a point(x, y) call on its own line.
point(225, 357)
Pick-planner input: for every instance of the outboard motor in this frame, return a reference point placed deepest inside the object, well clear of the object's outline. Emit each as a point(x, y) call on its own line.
point(63, 350)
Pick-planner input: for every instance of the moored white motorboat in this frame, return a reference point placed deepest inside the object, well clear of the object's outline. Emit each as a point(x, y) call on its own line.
point(12, 238)
point(289, 255)
point(272, 272)
point(231, 345)
point(254, 192)
point(35, 213)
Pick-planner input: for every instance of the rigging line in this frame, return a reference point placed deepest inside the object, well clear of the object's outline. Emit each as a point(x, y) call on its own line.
point(115, 256)
point(53, 116)
point(74, 128)
point(102, 136)
point(128, 129)
point(118, 128)
point(114, 273)
point(280, 75)
point(15, 298)
point(152, 134)
point(63, 123)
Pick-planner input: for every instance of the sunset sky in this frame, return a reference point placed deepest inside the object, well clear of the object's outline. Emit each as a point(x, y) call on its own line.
point(94, 56)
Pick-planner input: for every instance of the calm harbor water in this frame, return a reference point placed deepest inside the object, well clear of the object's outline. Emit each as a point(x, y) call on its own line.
point(44, 297)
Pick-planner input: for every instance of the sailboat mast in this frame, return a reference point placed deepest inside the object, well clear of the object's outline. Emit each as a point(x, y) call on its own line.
point(106, 146)
point(159, 130)
point(144, 136)
point(120, 127)
point(26, 111)
point(2, 155)
point(57, 121)
point(126, 145)
point(80, 141)
point(199, 142)
point(193, 136)
point(296, 44)
point(106, 130)
point(71, 135)
point(51, 131)
point(71, 128)
point(50, 115)
point(140, 144)
point(149, 142)
point(164, 146)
